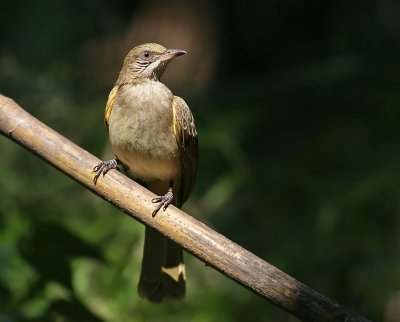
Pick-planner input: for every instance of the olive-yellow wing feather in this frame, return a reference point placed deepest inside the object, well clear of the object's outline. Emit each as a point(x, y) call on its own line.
point(186, 137)
point(109, 105)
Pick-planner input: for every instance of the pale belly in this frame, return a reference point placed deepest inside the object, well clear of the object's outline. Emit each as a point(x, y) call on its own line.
point(149, 168)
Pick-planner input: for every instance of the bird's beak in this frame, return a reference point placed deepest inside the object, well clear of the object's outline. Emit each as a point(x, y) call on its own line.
point(171, 53)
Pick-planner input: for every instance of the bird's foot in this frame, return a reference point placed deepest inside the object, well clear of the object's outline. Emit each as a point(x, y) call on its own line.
point(164, 201)
point(103, 167)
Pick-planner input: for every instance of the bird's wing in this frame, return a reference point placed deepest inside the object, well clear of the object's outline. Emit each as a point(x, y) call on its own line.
point(109, 105)
point(186, 137)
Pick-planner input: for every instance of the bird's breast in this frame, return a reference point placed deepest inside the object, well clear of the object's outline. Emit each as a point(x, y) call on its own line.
point(141, 131)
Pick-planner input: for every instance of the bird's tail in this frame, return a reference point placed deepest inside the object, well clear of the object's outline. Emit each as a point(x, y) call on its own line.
point(163, 270)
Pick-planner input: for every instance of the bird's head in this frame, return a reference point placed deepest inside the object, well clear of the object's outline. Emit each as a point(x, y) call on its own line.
point(147, 61)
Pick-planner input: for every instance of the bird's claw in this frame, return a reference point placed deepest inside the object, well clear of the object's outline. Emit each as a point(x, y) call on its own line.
point(103, 167)
point(164, 201)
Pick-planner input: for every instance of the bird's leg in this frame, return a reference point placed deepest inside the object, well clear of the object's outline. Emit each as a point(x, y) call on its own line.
point(163, 201)
point(103, 167)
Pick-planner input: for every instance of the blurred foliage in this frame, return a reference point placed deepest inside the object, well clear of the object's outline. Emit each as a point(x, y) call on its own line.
point(297, 105)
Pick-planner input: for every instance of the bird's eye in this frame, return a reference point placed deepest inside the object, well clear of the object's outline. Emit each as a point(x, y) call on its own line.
point(146, 54)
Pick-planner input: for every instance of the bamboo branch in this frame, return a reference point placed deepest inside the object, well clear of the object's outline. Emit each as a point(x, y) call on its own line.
point(212, 248)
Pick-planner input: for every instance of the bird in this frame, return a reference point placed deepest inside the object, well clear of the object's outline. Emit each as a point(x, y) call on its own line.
point(153, 137)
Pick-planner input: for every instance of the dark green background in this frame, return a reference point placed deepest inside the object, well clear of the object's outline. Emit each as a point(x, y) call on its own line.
point(297, 105)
